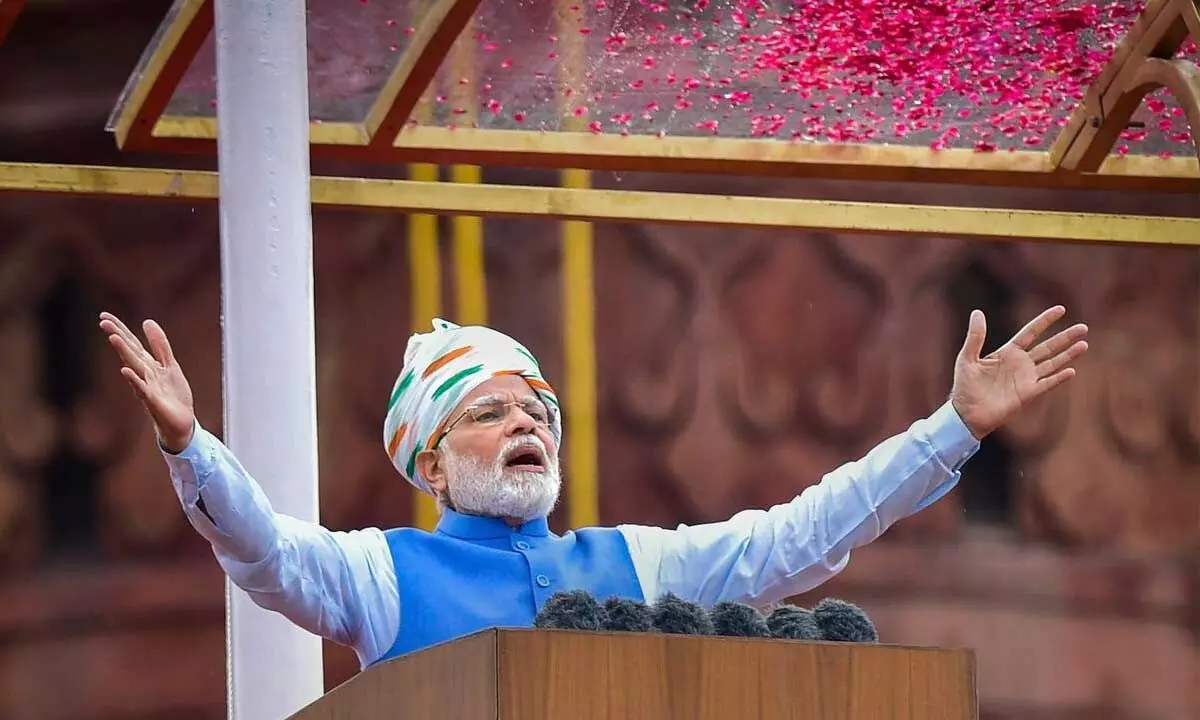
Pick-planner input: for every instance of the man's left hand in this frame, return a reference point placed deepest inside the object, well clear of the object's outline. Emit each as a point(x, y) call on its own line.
point(989, 390)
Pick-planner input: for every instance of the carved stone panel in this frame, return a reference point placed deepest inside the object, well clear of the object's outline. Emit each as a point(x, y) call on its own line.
point(169, 274)
point(29, 424)
point(741, 372)
point(737, 367)
point(1116, 462)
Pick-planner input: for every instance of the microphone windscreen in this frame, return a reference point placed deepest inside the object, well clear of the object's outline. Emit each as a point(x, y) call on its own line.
point(793, 623)
point(625, 615)
point(841, 621)
point(570, 610)
point(731, 619)
point(674, 615)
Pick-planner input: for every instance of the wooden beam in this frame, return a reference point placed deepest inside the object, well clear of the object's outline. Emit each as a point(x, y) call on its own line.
point(1087, 113)
point(163, 65)
point(727, 156)
point(1142, 62)
point(434, 35)
point(1181, 78)
point(629, 206)
point(779, 158)
point(1191, 18)
point(9, 10)
point(188, 135)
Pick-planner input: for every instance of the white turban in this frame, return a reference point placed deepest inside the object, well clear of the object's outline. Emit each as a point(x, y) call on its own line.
point(440, 369)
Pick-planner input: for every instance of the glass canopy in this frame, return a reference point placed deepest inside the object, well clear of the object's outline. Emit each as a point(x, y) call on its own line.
point(987, 75)
point(994, 75)
point(353, 46)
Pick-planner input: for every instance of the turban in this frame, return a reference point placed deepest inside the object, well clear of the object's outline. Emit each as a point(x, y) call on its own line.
point(440, 369)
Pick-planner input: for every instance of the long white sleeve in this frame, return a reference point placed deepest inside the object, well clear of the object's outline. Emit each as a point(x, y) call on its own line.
point(338, 585)
point(763, 556)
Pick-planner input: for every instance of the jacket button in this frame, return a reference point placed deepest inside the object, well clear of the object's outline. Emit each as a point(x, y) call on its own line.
point(543, 581)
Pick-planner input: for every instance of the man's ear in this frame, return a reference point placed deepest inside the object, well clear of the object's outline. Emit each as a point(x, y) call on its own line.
point(429, 462)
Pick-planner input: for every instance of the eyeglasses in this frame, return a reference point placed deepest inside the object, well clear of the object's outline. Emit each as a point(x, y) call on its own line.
point(495, 412)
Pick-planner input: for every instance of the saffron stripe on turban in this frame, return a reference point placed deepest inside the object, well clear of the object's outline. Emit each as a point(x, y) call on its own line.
point(440, 369)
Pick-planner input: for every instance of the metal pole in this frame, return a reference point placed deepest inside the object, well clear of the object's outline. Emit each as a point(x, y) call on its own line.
point(267, 306)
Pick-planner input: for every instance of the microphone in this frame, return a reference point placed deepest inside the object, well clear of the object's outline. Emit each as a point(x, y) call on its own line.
point(676, 616)
point(841, 621)
point(731, 619)
point(570, 610)
point(625, 615)
point(793, 623)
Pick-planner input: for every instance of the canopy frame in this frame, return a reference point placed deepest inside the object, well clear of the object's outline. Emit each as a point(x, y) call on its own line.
point(1143, 61)
point(1079, 159)
point(387, 136)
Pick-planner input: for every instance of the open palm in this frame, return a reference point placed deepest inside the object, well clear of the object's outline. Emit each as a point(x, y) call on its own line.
point(989, 390)
point(156, 379)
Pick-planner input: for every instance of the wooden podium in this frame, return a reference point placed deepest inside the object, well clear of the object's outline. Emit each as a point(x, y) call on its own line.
point(527, 674)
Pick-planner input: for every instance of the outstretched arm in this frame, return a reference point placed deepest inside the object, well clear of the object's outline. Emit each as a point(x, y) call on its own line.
point(340, 586)
point(762, 556)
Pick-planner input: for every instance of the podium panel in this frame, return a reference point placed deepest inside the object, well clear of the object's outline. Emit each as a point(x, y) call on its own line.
point(528, 674)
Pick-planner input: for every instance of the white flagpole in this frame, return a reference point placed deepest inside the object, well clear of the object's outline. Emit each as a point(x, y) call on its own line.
point(274, 668)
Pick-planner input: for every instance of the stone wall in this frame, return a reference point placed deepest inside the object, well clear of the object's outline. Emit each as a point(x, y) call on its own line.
point(735, 369)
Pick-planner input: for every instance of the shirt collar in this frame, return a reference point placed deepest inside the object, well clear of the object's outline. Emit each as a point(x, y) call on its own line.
point(476, 527)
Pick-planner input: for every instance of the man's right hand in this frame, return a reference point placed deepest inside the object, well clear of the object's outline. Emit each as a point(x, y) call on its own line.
point(156, 379)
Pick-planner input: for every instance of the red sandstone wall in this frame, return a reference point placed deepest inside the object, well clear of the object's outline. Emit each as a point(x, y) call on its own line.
point(735, 368)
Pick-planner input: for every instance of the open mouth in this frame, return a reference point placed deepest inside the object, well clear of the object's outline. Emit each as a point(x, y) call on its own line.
point(527, 460)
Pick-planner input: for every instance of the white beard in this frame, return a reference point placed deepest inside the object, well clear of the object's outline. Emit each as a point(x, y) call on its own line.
point(492, 490)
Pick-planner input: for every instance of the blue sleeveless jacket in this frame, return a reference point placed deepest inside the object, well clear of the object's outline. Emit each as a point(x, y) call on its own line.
point(473, 573)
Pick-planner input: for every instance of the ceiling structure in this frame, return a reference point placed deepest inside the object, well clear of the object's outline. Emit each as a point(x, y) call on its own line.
point(1056, 94)
point(1030, 93)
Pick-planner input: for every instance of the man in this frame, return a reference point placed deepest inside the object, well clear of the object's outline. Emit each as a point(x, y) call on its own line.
point(472, 421)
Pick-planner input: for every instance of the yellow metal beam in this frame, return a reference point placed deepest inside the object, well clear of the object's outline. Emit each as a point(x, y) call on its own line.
point(630, 206)
point(470, 276)
point(579, 350)
point(730, 156)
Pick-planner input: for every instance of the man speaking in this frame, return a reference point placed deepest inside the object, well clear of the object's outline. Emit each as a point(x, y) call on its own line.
point(472, 421)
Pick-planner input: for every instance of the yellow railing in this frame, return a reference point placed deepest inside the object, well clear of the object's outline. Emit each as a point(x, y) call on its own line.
point(579, 352)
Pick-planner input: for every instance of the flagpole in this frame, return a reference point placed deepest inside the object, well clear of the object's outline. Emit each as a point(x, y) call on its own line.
point(274, 668)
